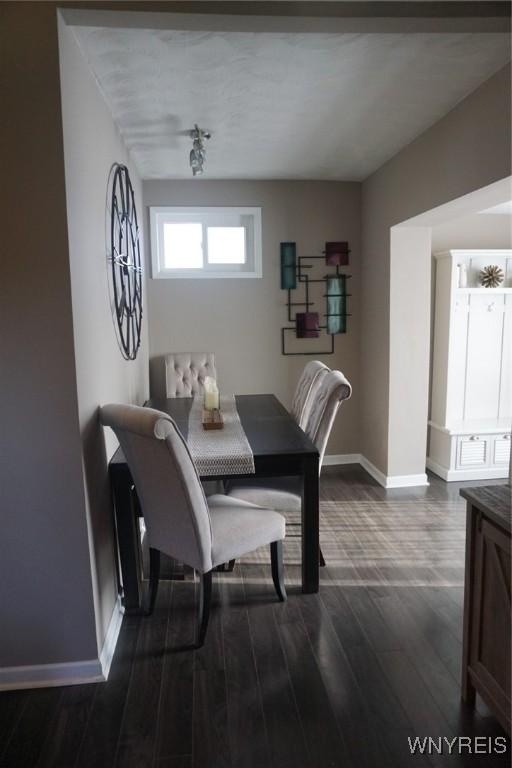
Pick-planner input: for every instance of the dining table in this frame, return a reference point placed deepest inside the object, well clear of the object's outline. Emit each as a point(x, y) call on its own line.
point(280, 449)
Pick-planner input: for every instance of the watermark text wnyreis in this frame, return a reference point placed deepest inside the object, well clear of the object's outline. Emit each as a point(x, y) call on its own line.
point(472, 745)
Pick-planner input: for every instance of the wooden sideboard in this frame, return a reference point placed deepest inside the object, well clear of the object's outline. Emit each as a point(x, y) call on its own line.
point(487, 608)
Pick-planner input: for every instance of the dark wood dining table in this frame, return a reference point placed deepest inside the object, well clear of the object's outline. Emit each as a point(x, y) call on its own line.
point(280, 449)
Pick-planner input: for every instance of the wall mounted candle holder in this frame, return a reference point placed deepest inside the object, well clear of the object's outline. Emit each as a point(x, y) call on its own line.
point(288, 265)
point(294, 272)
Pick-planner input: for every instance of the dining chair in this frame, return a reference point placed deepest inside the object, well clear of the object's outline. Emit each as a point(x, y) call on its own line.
point(285, 494)
point(179, 520)
point(185, 372)
point(310, 379)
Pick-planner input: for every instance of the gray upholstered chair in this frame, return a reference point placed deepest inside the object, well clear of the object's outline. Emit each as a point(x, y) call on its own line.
point(310, 379)
point(185, 372)
point(179, 520)
point(285, 494)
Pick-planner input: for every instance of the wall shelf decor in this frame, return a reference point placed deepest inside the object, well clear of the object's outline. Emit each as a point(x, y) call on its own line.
point(294, 276)
point(124, 261)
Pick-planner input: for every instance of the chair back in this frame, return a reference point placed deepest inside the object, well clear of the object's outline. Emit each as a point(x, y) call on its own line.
point(333, 389)
point(185, 372)
point(170, 493)
point(307, 386)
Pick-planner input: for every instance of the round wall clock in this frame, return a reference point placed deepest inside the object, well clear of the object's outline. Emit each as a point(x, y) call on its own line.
point(124, 262)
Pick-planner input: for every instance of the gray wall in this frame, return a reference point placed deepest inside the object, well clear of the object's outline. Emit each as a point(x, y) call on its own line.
point(102, 373)
point(47, 612)
point(467, 149)
point(240, 320)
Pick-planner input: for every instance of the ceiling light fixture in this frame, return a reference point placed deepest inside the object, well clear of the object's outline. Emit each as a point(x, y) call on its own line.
point(198, 151)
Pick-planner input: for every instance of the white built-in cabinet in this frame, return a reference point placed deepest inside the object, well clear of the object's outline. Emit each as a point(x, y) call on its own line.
point(471, 409)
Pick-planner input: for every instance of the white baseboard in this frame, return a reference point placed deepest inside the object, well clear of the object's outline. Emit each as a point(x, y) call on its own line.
point(335, 459)
point(437, 469)
point(453, 475)
point(51, 675)
point(67, 673)
point(110, 642)
point(406, 481)
point(372, 470)
point(387, 481)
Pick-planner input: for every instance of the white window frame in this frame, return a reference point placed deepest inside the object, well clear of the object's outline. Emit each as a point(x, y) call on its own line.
point(218, 216)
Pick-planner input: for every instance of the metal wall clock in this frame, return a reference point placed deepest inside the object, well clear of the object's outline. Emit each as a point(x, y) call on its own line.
point(124, 262)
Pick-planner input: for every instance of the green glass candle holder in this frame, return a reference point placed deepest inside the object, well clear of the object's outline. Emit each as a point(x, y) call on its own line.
point(336, 304)
point(288, 265)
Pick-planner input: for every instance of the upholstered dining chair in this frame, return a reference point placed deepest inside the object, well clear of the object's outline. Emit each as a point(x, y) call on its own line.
point(185, 372)
point(179, 520)
point(285, 494)
point(307, 386)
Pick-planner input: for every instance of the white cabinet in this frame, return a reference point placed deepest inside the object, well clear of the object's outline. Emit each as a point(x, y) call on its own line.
point(471, 413)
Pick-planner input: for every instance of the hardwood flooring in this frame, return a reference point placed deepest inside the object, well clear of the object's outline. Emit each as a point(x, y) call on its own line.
point(338, 679)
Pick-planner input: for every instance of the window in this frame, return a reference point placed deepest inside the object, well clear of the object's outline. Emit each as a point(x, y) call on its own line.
point(205, 242)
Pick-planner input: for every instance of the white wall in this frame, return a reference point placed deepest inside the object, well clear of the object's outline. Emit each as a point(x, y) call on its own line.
point(466, 150)
point(409, 348)
point(475, 231)
point(240, 320)
point(91, 144)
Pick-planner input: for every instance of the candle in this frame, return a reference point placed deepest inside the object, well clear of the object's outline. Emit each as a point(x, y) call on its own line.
point(211, 394)
point(211, 399)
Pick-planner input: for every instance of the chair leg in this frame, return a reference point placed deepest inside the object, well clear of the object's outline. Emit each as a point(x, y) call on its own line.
point(205, 594)
point(154, 575)
point(276, 560)
point(321, 558)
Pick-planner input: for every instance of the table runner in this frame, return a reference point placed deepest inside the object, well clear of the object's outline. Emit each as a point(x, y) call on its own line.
point(219, 451)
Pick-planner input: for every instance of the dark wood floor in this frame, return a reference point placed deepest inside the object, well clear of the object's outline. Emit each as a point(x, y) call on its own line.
point(341, 678)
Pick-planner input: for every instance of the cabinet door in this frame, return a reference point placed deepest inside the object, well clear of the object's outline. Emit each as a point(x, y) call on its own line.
point(472, 451)
point(457, 353)
point(501, 450)
point(483, 365)
point(490, 632)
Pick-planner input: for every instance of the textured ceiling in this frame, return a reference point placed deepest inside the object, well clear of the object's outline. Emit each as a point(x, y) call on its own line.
point(291, 106)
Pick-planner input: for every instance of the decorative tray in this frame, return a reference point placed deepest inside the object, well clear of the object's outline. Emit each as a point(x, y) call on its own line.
point(212, 419)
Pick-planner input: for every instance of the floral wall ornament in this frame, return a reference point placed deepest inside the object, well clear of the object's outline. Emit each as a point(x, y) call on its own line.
point(491, 276)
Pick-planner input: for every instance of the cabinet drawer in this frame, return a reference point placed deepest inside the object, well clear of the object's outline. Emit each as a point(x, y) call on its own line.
point(473, 451)
point(501, 449)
